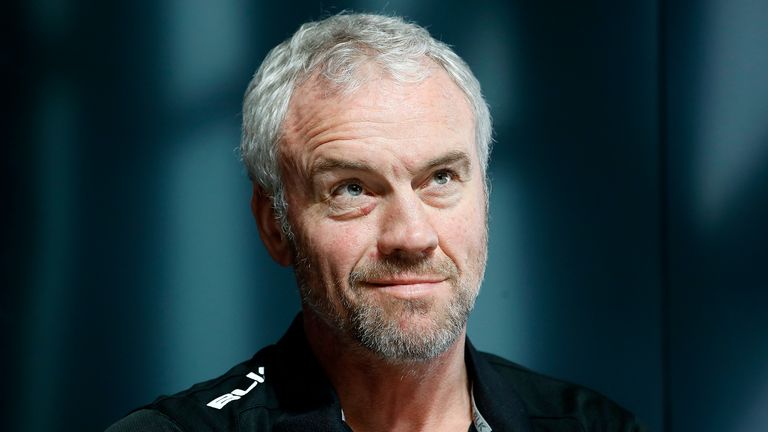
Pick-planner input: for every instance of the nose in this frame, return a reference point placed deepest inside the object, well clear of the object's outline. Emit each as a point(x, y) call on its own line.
point(406, 229)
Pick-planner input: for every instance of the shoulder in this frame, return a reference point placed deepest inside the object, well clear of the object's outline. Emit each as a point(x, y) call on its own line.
point(549, 401)
point(217, 404)
point(220, 402)
point(145, 420)
point(268, 390)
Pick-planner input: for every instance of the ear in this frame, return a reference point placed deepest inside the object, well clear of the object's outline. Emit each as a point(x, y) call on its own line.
point(269, 228)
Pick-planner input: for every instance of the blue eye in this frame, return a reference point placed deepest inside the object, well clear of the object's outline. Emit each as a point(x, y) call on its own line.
point(442, 177)
point(353, 189)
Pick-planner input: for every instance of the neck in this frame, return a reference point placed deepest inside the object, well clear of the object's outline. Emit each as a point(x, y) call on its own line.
point(378, 394)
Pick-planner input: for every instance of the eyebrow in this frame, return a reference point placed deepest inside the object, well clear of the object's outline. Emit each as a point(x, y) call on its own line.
point(451, 158)
point(455, 157)
point(326, 165)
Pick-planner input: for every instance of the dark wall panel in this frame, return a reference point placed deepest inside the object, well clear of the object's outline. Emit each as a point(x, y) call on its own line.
point(718, 205)
point(575, 262)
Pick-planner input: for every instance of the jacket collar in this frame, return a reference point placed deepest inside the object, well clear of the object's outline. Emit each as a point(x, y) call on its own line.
point(501, 407)
point(301, 387)
point(311, 403)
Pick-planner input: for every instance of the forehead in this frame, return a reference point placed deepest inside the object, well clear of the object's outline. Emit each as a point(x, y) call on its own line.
point(381, 108)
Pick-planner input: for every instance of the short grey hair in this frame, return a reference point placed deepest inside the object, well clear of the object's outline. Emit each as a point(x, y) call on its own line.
point(334, 49)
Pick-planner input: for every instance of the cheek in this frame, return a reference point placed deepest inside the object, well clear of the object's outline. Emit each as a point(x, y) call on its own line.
point(340, 246)
point(463, 234)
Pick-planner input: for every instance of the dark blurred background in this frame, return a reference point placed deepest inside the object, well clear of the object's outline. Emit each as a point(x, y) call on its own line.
point(628, 218)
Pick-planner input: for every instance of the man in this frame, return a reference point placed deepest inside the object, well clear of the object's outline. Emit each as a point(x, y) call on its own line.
point(367, 142)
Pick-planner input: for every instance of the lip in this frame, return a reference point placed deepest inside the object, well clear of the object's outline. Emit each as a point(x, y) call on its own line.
point(405, 281)
point(406, 288)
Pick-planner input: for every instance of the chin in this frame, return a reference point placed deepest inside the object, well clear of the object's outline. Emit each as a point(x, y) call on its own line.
point(415, 332)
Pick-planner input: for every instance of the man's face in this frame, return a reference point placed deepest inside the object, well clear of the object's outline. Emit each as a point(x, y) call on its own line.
point(387, 202)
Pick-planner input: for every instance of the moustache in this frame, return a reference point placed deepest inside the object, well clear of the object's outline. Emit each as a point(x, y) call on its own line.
point(393, 268)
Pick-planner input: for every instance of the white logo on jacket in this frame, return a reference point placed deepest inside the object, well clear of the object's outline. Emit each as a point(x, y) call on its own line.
point(236, 394)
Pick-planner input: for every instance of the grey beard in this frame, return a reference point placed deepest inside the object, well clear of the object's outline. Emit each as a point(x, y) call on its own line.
point(368, 322)
point(370, 326)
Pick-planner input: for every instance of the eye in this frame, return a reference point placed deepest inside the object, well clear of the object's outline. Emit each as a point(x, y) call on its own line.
point(353, 189)
point(442, 177)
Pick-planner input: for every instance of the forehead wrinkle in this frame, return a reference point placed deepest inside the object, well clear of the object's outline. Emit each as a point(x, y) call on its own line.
point(323, 165)
point(314, 121)
point(316, 118)
point(373, 100)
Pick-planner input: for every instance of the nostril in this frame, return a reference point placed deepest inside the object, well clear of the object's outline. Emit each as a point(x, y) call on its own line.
point(408, 240)
point(411, 255)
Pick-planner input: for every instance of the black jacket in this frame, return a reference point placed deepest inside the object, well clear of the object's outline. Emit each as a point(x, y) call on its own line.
point(283, 388)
